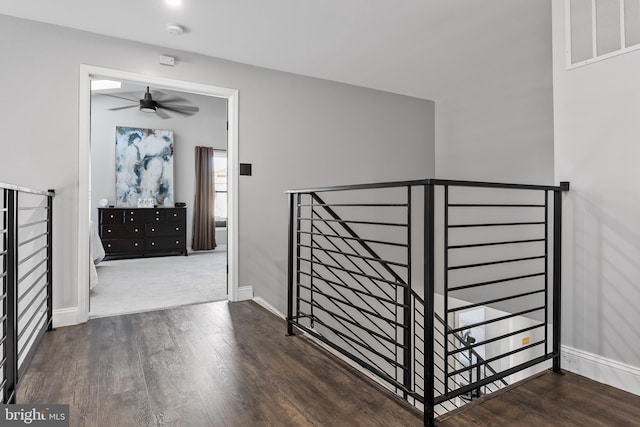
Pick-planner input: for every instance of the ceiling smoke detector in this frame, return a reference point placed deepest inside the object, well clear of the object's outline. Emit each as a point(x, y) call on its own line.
point(175, 30)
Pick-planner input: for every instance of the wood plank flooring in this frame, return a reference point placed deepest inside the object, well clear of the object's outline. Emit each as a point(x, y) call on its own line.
point(230, 364)
point(548, 399)
point(217, 364)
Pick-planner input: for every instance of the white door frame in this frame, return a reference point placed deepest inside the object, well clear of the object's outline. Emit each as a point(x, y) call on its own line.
point(84, 169)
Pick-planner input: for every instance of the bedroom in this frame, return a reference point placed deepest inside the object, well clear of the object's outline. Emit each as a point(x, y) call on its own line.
point(131, 279)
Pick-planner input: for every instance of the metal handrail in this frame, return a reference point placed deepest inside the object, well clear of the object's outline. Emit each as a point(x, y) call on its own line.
point(564, 186)
point(5, 186)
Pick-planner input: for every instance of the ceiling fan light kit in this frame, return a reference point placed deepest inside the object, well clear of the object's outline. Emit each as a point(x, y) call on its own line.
point(147, 104)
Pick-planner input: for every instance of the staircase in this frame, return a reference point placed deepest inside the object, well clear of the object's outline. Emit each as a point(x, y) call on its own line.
point(367, 279)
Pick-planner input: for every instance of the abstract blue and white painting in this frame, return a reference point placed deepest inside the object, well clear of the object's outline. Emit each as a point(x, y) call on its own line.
point(144, 166)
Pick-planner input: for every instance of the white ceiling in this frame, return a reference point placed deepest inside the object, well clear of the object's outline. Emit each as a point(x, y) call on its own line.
point(413, 47)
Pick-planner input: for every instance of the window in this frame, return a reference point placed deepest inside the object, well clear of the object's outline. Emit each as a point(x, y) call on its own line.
point(220, 171)
point(600, 29)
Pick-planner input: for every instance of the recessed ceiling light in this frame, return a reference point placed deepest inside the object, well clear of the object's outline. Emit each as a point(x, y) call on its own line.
point(174, 3)
point(105, 84)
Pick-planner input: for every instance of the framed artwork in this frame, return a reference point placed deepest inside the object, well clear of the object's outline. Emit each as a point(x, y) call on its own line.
point(144, 166)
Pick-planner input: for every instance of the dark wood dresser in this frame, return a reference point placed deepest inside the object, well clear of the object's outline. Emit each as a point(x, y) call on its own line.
point(141, 232)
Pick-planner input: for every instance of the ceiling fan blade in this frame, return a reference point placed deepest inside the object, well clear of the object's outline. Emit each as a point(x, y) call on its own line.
point(182, 108)
point(162, 114)
point(122, 108)
point(171, 100)
point(119, 97)
point(184, 113)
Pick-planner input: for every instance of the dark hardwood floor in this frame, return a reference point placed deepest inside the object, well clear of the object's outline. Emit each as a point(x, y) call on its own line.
point(217, 364)
point(230, 364)
point(548, 399)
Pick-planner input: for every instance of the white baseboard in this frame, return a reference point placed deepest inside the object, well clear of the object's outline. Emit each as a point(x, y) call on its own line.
point(601, 369)
point(245, 293)
point(65, 317)
point(265, 304)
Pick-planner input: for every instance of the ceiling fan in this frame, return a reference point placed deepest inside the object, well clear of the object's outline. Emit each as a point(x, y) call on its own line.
point(149, 105)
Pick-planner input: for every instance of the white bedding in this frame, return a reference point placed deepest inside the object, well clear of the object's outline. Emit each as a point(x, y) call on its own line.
point(97, 254)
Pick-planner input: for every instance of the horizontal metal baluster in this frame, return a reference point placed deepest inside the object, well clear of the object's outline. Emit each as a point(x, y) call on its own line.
point(390, 282)
point(506, 242)
point(355, 239)
point(493, 282)
point(500, 356)
point(497, 319)
point(495, 300)
point(346, 254)
point(343, 221)
point(502, 261)
point(496, 224)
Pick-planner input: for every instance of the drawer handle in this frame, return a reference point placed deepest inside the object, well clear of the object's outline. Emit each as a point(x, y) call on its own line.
point(157, 213)
point(111, 216)
point(131, 220)
point(177, 229)
point(131, 212)
point(109, 231)
point(175, 214)
point(108, 245)
point(153, 229)
point(136, 230)
point(157, 219)
point(177, 242)
point(135, 244)
point(153, 243)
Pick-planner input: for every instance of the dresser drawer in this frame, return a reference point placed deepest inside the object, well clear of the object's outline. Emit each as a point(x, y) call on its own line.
point(121, 231)
point(159, 230)
point(176, 215)
point(111, 216)
point(124, 245)
point(136, 216)
point(165, 243)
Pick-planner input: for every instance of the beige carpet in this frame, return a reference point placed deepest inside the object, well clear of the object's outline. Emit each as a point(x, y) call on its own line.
point(143, 284)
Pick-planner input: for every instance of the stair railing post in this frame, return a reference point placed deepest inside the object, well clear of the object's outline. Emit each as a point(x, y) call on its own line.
point(11, 300)
point(50, 260)
point(290, 260)
point(408, 324)
point(557, 275)
point(429, 296)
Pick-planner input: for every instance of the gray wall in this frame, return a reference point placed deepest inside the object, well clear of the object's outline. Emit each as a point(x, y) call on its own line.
point(596, 110)
point(494, 115)
point(297, 132)
point(206, 128)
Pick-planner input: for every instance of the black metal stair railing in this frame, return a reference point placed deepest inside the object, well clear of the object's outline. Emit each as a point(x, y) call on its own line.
point(26, 258)
point(347, 293)
point(367, 279)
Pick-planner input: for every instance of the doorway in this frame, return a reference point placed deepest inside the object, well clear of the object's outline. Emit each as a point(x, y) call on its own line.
point(87, 73)
point(152, 161)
